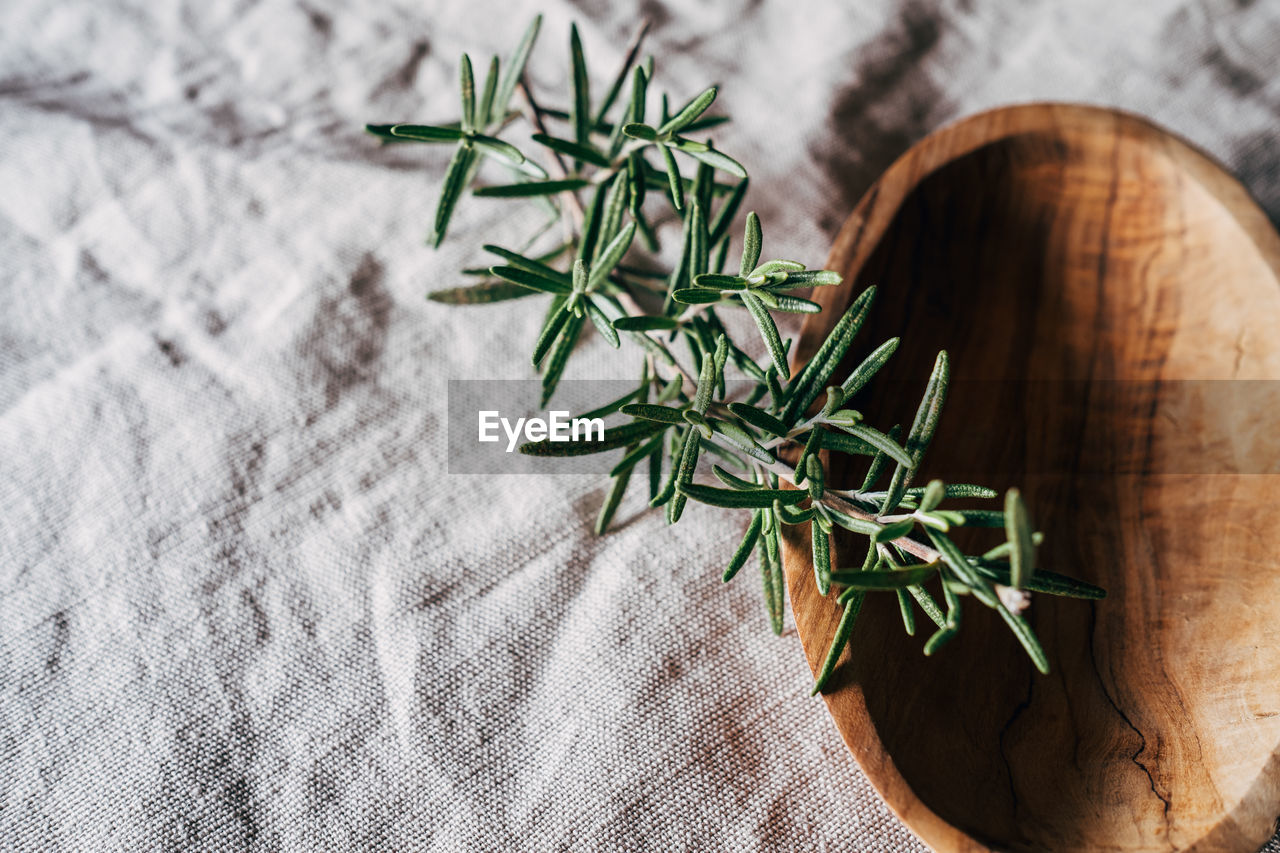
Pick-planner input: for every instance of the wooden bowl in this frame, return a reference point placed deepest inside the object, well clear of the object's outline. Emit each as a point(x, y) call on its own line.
point(1094, 279)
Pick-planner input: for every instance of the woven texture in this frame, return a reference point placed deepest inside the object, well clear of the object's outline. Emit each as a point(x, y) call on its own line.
point(242, 603)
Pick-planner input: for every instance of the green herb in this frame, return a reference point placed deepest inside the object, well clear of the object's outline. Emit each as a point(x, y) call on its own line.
point(605, 169)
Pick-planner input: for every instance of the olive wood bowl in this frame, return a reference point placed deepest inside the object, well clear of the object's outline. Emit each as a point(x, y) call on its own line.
point(1094, 280)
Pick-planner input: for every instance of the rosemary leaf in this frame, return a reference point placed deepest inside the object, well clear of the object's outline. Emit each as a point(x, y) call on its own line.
point(684, 476)
point(550, 332)
point(668, 489)
point(468, 96)
point(1050, 583)
point(740, 358)
point(515, 69)
point(720, 355)
point(940, 638)
point(773, 583)
point(615, 205)
point(759, 418)
point(633, 456)
point(1026, 637)
point(645, 324)
point(706, 385)
point(957, 490)
point(791, 515)
point(808, 278)
point(780, 268)
point(634, 114)
point(877, 467)
point(576, 150)
point(719, 255)
point(610, 408)
point(654, 348)
point(821, 558)
point(423, 132)
point(893, 531)
point(697, 240)
point(611, 502)
point(612, 94)
point(922, 429)
point(590, 231)
point(610, 256)
point(852, 606)
point(843, 443)
point(813, 379)
point(650, 412)
point(593, 209)
point(485, 108)
point(703, 183)
point(891, 579)
point(477, 294)
point(496, 147)
point(977, 517)
point(742, 439)
point(879, 441)
point(673, 177)
point(769, 331)
point(732, 481)
point(532, 280)
point(705, 122)
point(724, 216)
point(858, 525)
point(908, 615)
point(718, 160)
point(635, 180)
point(689, 112)
point(745, 547)
point(530, 265)
point(601, 322)
point(655, 473)
point(816, 477)
point(928, 605)
point(580, 112)
point(727, 455)
point(795, 305)
point(454, 180)
point(963, 571)
point(696, 296)
point(751, 242)
point(641, 131)
point(863, 373)
point(735, 499)
point(560, 357)
point(926, 423)
point(1022, 553)
point(812, 445)
point(531, 188)
point(933, 495)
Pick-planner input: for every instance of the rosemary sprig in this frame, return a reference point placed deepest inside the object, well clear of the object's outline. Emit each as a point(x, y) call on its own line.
point(604, 166)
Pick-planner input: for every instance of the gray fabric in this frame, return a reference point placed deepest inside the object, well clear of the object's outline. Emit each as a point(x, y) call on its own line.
point(242, 603)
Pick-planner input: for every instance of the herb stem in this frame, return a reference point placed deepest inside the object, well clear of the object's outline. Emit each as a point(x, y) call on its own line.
point(781, 445)
point(534, 114)
point(628, 58)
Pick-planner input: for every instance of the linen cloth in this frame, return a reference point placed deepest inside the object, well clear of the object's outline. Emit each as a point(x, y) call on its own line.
point(243, 605)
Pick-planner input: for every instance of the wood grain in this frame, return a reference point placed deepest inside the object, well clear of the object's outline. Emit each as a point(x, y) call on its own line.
point(1094, 280)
